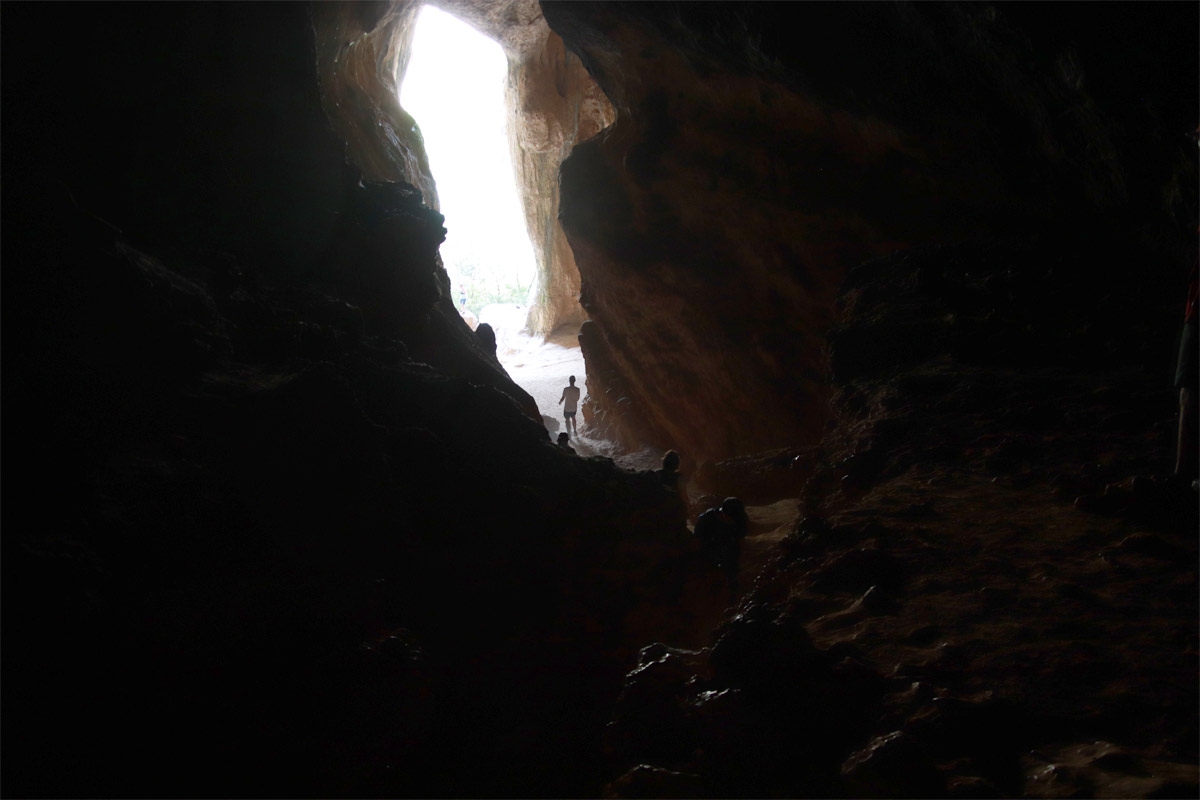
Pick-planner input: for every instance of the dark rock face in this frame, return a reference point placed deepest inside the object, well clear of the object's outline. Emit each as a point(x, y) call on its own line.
point(757, 157)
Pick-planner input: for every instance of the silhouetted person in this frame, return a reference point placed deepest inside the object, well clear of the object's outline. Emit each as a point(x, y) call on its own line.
point(720, 531)
point(564, 442)
point(569, 401)
point(1187, 383)
point(487, 337)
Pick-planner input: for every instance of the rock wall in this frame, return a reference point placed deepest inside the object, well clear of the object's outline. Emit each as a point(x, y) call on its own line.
point(361, 52)
point(755, 159)
point(555, 104)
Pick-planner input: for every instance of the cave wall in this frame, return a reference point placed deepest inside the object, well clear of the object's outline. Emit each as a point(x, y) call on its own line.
point(755, 159)
point(245, 136)
point(361, 52)
point(554, 104)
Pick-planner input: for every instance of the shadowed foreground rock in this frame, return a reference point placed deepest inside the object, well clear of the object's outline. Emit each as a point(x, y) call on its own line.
point(302, 572)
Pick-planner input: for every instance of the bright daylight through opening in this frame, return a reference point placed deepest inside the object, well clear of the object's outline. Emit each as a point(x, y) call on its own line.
point(454, 88)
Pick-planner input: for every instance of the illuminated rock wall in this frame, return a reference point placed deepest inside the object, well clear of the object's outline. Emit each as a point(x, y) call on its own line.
point(755, 158)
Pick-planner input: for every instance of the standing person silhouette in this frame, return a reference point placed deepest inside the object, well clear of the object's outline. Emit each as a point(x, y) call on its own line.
point(569, 401)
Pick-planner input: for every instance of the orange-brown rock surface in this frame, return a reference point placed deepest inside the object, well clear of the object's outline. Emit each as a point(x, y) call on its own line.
point(714, 220)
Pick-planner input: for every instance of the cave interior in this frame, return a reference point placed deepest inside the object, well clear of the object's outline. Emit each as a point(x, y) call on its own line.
point(907, 278)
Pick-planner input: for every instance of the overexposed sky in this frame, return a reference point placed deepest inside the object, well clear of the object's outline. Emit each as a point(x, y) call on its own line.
point(454, 88)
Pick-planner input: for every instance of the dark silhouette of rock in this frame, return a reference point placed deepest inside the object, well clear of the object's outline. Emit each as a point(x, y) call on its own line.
point(487, 338)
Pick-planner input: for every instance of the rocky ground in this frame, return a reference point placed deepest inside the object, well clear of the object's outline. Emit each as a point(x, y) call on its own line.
point(986, 590)
point(981, 584)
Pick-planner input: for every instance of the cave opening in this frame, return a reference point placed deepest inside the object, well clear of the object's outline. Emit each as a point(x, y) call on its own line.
point(454, 87)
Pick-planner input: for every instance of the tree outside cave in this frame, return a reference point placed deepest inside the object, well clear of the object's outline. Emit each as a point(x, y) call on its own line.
point(486, 284)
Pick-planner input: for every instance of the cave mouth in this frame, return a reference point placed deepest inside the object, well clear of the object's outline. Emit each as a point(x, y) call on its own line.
point(454, 88)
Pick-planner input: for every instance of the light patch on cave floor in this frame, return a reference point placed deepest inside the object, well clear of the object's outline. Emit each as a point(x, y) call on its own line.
point(454, 88)
point(542, 367)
